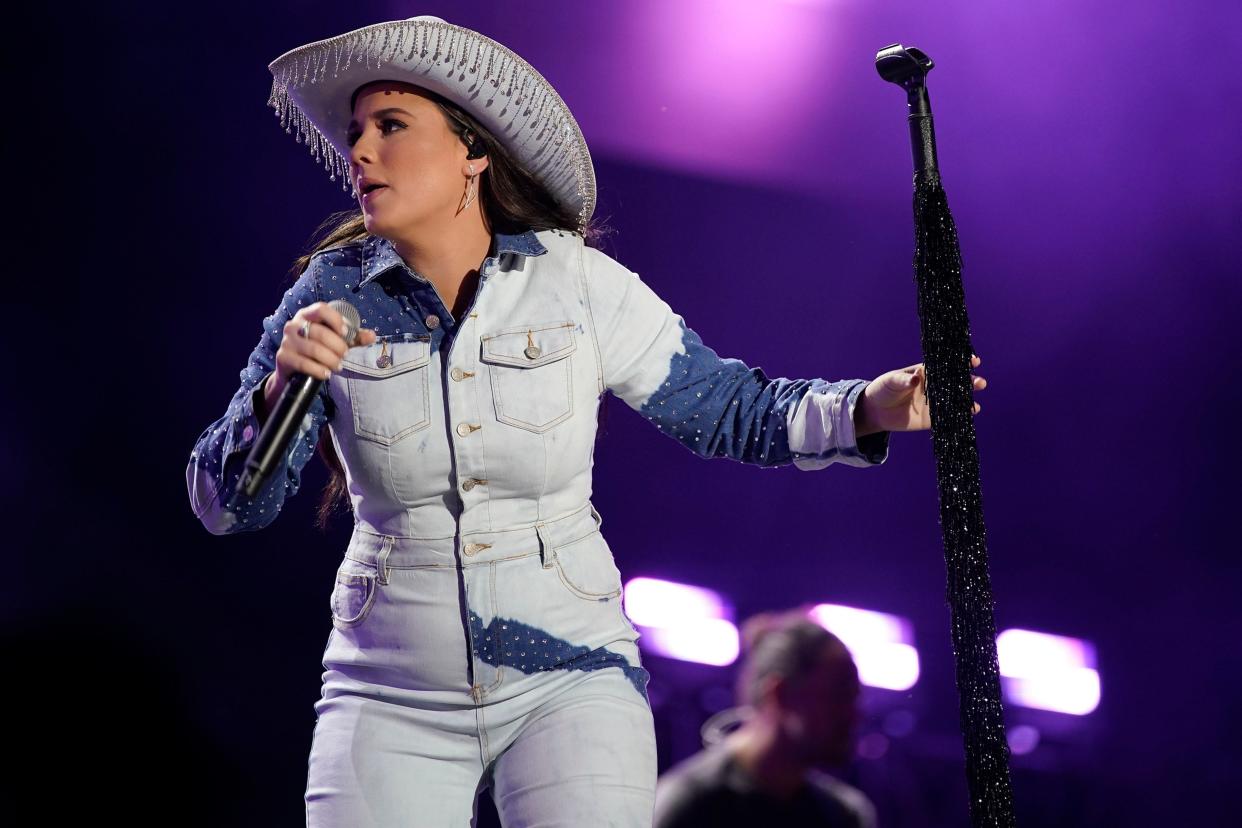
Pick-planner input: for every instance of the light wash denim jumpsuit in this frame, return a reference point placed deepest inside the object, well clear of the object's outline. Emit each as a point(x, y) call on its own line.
point(478, 637)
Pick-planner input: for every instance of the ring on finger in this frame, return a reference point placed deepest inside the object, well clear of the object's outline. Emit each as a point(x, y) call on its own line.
point(304, 331)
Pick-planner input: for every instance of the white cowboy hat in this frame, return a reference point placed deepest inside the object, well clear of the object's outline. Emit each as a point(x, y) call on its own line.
point(312, 87)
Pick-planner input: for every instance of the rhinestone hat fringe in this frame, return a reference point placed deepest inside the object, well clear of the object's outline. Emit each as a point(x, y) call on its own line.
point(556, 155)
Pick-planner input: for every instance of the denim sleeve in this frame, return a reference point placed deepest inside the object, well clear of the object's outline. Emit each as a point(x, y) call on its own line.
point(219, 455)
point(714, 406)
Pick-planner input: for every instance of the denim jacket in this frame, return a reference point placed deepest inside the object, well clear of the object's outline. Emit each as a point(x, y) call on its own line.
point(448, 427)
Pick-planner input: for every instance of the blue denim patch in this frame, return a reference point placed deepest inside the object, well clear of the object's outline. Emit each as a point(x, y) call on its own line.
point(509, 643)
point(722, 408)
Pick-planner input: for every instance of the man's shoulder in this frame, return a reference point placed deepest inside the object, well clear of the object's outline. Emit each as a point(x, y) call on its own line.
point(702, 786)
point(690, 786)
point(849, 799)
point(708, 765)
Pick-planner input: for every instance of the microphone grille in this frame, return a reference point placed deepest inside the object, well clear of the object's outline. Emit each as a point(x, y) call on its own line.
point(350, 314)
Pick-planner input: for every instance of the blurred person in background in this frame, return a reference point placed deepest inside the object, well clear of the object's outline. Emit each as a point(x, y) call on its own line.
point(799, 691)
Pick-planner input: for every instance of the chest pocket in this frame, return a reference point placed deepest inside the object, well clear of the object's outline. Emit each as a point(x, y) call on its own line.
point(531, 374)
point(389, 382)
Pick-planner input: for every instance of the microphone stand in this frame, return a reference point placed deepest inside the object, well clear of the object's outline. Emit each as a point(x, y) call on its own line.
point(945, 331)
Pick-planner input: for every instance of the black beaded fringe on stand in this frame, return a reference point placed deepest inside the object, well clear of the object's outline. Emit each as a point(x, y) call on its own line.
point(946, 356)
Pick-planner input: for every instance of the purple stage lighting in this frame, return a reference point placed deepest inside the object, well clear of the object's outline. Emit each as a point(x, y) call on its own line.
point(651, 602)
point(706, 641)
point(882, 644)
point(1023, 739)
point(681, 621)
point(710, 86)
point(1048, 672)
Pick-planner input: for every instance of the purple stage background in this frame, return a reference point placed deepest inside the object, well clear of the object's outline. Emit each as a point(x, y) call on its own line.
point(757, 172)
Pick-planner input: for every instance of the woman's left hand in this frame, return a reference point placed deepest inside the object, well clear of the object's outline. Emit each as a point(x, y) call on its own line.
point(897, 401)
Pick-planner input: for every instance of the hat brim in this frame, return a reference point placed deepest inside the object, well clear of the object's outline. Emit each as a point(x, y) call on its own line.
point(312, 87)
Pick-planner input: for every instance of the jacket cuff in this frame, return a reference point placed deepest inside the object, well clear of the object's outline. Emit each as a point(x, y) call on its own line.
point(821, 428)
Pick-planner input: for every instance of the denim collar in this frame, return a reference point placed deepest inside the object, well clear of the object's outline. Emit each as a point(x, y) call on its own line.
point(379, 255)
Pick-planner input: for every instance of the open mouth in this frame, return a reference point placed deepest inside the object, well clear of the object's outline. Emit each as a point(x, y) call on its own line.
point(370, 188)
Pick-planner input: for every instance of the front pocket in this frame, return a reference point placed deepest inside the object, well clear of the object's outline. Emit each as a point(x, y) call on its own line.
point(389, 383)
point(352, 596)
point(531, 373)
point(587, 568)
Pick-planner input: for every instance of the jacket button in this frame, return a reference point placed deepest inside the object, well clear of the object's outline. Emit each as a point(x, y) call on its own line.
point(432, 321)
point(471, 482)
point(457, 374)
point(464, 429)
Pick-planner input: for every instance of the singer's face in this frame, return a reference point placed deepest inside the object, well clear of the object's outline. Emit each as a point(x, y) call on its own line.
point(400, 138)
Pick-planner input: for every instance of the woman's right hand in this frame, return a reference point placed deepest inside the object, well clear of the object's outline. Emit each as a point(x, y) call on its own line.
point(318, 354)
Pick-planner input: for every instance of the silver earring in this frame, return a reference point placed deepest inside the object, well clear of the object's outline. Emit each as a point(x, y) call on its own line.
point(471, 189)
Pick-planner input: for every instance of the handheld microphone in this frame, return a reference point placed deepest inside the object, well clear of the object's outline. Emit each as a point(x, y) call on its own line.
point(283, 423)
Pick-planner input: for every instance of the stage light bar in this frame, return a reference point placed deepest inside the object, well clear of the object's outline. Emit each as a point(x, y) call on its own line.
point(882, 645)
point(682, 621)
point(1048, 672)
point(655, 603)
point(706, 641)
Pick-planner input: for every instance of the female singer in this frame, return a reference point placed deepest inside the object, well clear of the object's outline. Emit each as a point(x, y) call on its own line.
point(478, 638)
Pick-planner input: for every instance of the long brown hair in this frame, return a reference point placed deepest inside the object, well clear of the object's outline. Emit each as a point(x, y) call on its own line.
point(512, 201)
